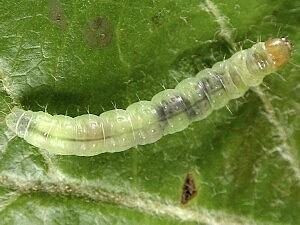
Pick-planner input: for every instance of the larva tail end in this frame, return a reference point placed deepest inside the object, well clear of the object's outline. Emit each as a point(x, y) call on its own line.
point(12, 119)
point(280, 50)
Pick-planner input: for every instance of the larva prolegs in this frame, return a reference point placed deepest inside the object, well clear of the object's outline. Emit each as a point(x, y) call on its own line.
point(169, 111)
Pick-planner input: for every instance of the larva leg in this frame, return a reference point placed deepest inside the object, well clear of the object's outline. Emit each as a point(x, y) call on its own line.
point(169, 111)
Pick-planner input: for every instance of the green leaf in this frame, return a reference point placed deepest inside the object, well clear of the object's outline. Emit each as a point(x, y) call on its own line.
point(78, 56)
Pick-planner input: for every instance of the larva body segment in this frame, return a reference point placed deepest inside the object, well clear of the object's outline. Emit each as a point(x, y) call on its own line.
point(200, 106)
point(213, 86)
point(146, 128)
point(173, 110)
point(145, 122)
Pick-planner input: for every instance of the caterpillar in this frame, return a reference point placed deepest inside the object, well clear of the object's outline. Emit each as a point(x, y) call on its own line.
point(169, 111)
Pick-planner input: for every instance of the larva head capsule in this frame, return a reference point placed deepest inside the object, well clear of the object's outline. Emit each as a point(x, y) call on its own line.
point(279, 49)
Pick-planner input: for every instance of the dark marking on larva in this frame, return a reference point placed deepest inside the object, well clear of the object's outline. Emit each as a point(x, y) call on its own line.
point(161, 114)
point(174, 106)
point(221, 78)
point(57, 14)
point(202, 92)
point(189, 189)
point(99, 32)
point(189, 108)
point(212, 84)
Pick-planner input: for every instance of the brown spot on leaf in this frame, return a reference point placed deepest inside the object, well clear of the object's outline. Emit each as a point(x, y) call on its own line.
point(189, 189)
point(99, 32)
point(57, 14)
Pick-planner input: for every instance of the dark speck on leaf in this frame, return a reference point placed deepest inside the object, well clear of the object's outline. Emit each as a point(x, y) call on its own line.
point(158, 18)
point(189, 189)
point(99, 32)
point(57, 14)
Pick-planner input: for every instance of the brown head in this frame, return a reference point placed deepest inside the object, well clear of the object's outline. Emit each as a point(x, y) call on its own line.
point(279, 49)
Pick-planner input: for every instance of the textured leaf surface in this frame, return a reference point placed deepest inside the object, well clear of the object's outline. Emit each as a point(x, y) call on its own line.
point(78, 56)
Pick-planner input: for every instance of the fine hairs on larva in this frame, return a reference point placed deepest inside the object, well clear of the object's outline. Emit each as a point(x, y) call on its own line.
point(169, 111)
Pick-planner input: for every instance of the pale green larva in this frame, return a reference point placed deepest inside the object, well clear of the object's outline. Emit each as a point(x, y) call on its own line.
point(145, 122)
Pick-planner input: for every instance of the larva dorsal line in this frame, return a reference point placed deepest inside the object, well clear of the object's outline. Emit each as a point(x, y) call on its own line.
point(169, 111)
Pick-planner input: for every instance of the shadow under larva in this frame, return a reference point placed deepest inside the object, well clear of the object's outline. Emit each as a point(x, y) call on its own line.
point(169, 111)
